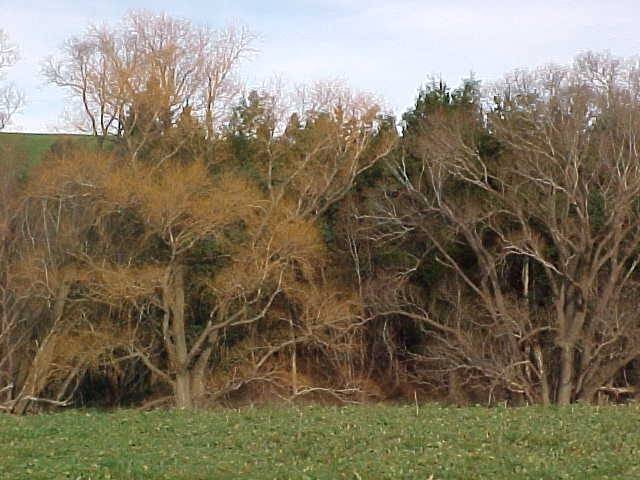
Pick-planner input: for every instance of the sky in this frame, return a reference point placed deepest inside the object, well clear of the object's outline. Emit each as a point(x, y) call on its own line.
point(389, 48)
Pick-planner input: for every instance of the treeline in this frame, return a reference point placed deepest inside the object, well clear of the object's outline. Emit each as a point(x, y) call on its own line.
point(218, 245)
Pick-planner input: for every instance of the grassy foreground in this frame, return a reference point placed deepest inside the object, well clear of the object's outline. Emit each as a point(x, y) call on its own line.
point(320, 442)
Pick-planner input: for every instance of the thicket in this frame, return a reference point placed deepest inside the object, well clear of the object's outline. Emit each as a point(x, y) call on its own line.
point(218, 245)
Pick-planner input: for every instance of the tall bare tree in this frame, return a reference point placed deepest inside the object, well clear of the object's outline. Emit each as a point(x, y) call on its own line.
point(541, 192)
point(135, 79)
point(11, 98)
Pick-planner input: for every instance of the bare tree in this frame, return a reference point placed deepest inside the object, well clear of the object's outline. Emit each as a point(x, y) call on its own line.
point(553, 198)
point(317, 140)
point(134, 80)
point(223, 50)
point(160, 233)
point(311, 148)
point(11, 98)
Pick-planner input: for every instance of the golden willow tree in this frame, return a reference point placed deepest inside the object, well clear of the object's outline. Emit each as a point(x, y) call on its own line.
point(164, 262)
point(532, 208)
point(127, 233)
point(175, 251)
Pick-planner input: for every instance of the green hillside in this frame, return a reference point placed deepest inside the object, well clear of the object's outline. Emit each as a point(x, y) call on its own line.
point(32, 146)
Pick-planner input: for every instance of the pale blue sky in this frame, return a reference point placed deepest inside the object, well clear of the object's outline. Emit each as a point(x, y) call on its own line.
point(386, 47)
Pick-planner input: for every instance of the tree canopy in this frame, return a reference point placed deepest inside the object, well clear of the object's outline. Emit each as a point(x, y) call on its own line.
point(224, 244)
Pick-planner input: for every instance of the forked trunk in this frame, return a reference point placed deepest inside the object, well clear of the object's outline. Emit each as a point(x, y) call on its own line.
point(198, 376)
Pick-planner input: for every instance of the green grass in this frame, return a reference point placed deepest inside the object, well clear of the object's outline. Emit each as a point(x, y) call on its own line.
point(378, 442)
point(31, 147)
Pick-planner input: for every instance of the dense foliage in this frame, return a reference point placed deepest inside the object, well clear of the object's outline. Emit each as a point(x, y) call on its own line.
point(217, 245)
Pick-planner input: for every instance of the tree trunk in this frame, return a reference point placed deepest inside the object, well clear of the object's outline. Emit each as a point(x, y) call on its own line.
point(544, 381)
point(456, 393)
point(184, 398)
point(182, 390)
point(175, 336)
point(40, 366)
point(198, 384)
point(565, 388)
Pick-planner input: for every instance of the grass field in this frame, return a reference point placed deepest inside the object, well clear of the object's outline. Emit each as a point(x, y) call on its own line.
point(30, 147)
point(379, 442)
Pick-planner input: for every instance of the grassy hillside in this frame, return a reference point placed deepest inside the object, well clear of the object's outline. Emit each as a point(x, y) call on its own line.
point(377, 442)
point(32, 146)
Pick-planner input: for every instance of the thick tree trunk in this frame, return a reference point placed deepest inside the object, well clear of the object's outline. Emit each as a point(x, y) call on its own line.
point(565, 388)
point(182, 390)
